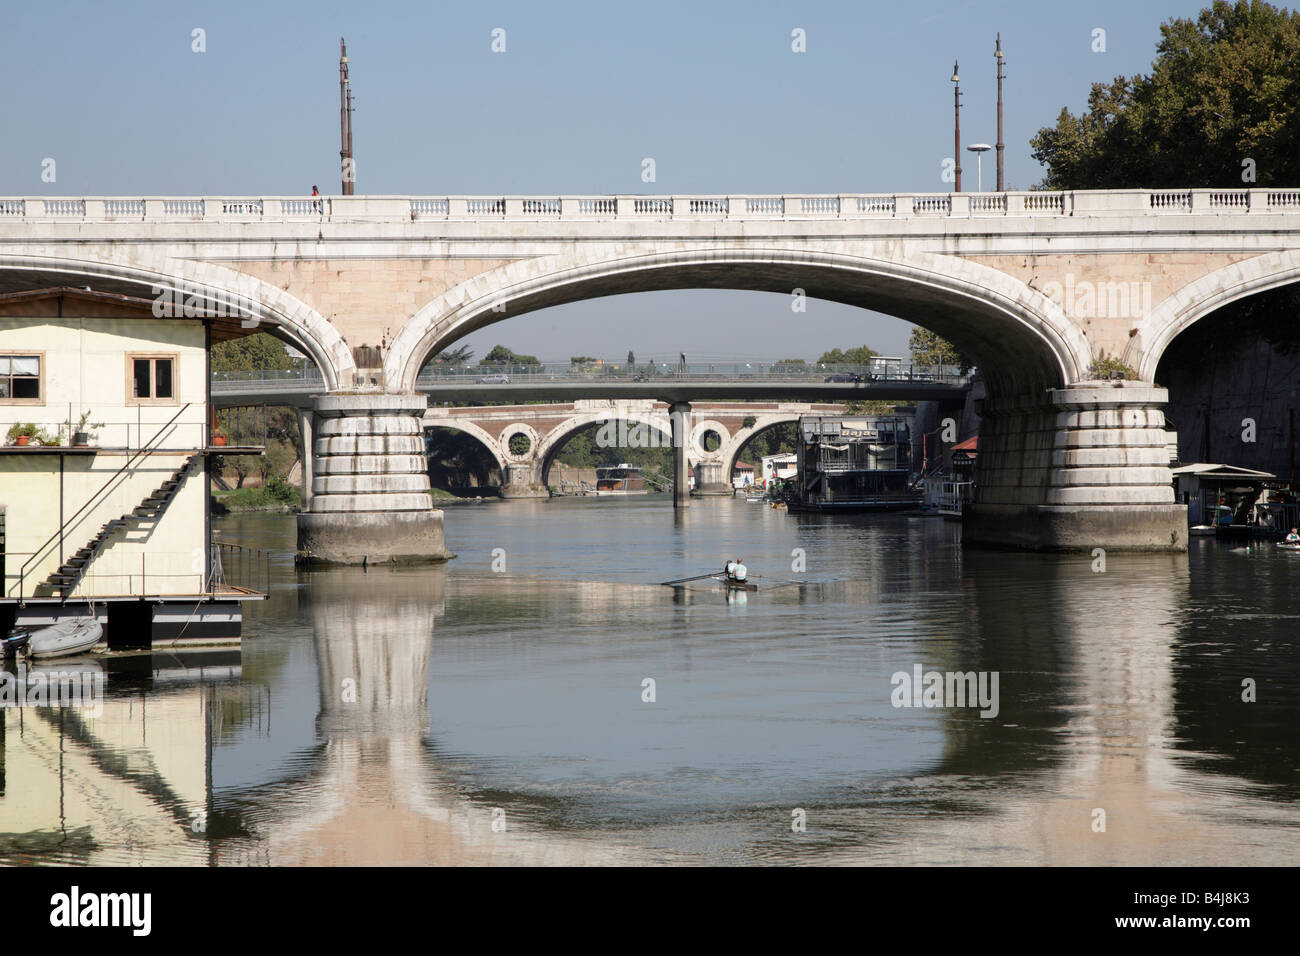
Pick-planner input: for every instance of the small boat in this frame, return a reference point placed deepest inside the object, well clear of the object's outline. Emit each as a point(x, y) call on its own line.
point(1197, 530)
point(731, 585)
point(75, 635)
point(1289, 545)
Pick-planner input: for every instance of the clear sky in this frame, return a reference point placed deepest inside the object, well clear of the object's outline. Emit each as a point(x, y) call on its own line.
point(584, 91)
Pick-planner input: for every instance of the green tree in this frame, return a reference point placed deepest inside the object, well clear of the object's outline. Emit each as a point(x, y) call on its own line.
point(255, 352)
point(926, 348)
point(1223, 90)
point(1221, 107)
point(460, 355)
point(500, 355)
point(858, 356)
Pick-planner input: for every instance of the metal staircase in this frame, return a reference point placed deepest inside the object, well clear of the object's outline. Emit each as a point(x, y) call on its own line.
point(62, 582)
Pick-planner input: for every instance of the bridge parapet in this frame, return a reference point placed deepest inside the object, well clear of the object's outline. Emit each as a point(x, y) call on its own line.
point(1074, 203)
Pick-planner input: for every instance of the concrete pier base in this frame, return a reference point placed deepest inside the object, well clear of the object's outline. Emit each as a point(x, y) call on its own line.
point(712, 479)
point(370, 498)
point(359, 537)
point(1048, 528)
point(521, 482)
point(1079, 468)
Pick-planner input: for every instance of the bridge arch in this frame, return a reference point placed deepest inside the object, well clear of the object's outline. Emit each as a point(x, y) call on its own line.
point(1020, 337)
point(240, 294)
point(1200, 298)
point(548, 445)
point(484, 438)
point(764, 421)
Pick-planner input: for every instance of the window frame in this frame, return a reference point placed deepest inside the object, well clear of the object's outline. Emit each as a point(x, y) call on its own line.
point(40, 378)
point(152, 358)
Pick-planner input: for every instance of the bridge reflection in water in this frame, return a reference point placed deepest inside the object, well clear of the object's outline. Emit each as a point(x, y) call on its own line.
point(1113, 696)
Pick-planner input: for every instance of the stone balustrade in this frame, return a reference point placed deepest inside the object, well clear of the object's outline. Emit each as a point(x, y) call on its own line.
point(1078, 204)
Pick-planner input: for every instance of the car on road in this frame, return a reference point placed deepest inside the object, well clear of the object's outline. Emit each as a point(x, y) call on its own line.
point(498, 378)
point(844, 377)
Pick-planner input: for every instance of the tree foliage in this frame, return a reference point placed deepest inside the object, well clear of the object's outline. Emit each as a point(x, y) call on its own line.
point(251, 353)
point(1223, 89)
point(858, 356)
point(460, 355)
point(258, 352)
point(927, 348)
point(1221, 107)
point(500, 355)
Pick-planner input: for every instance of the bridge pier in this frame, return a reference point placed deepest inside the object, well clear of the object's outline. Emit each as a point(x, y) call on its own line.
point(1079, 468)
point(713, 479)
point(521, 480)
point(370, 498)
point(679, 413)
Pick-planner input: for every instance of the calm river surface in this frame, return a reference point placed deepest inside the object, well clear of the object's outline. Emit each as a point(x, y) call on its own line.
point(494, 710)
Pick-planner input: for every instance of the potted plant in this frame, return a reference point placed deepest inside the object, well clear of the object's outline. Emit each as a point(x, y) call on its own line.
point(84, 432)
point(22, 433)
point(218, 439)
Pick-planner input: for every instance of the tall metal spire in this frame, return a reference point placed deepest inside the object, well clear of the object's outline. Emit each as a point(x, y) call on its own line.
point(346, 164)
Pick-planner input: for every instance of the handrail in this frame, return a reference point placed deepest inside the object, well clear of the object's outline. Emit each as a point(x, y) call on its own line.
point(22, 572)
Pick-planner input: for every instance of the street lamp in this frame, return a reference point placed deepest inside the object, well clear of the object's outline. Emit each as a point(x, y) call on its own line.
point(956, 124)
point(979, 149)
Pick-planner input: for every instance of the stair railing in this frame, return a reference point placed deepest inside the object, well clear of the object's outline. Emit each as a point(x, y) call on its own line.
point(147, 446)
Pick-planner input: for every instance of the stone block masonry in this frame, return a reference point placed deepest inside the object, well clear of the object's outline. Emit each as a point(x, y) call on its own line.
point(370, 501)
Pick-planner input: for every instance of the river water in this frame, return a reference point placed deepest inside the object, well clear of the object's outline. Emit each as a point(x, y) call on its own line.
point(540, 700)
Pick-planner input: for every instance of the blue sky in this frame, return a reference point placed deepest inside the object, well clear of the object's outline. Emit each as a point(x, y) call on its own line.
point(583, 92)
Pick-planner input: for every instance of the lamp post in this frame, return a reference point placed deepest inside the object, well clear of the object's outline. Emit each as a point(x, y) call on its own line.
point(979, 149)
point(956, 122)
point(1001, 145)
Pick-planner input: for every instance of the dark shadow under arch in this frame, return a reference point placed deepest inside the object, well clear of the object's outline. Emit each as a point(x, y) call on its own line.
point(454, 453)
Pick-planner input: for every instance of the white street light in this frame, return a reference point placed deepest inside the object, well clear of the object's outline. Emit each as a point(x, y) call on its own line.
point(979, 149)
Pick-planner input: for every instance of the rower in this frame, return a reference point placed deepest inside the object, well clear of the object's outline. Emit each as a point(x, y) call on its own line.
point(730, 570)
point(1293, 537)
point(738, 570)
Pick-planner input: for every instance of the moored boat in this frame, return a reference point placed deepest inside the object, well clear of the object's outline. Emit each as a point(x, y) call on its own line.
point(623, 479)
point(63, 638)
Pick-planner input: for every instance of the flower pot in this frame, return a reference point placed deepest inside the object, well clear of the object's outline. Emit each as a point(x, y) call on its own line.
point(218, 440)
point(81, 439)
point(22, 439)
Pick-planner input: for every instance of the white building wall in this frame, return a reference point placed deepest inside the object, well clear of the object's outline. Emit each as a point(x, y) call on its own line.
point(85, 367)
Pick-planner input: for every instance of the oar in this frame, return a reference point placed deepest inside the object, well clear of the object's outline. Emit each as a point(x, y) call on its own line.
point(698, 577)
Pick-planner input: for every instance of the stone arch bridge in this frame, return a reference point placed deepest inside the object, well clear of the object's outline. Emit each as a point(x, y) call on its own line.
point(548, 427)
point(1035, 286)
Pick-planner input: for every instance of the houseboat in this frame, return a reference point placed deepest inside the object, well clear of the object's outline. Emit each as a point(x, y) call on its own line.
point(854, 464)
point(105, 469)
point(623, 479)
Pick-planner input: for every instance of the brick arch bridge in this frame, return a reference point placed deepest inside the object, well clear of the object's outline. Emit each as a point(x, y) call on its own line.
point(548, 427)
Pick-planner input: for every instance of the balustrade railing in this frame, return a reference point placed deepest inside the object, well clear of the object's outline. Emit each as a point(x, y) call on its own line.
point(1121, 203)
point(436, 375)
